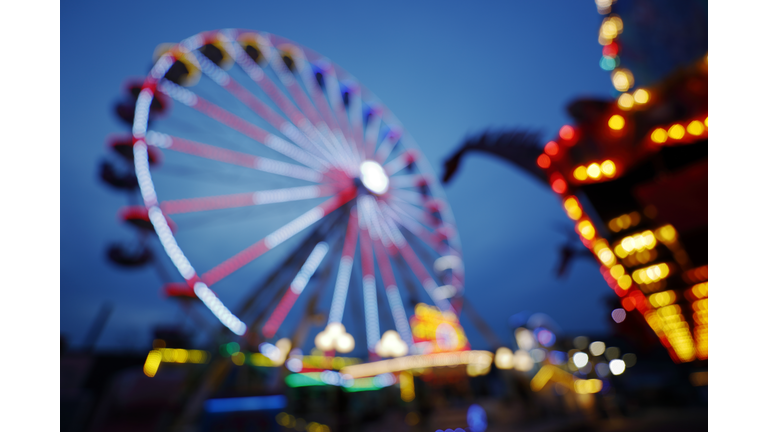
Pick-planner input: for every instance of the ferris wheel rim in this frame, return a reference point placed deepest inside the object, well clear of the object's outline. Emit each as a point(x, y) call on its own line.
point(158, 213)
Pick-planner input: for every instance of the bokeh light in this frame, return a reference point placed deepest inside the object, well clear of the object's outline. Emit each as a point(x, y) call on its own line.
point(616, 122)
point(619, 315)
point(695, 128)
point(641, 96)
point(659, 136)
point(580, 173)
point(622, 79)
point(580, 359)
point(597, 348)
point(625, 101)
point(617, 366)
point(676, 132)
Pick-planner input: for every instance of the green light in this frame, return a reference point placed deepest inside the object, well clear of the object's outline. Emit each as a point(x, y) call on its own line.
point(609, 63)
point(233, 347)
point(304, 380)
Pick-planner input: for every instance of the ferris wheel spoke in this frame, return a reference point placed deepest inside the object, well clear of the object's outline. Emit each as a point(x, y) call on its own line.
point(286, 127)
point(372, 131)
point(407, 181)
point(386, 147)
point(416, 213)
point(248, 129)
point(305, 105)
point(356, 116)
point(393, 294)
point(417, 267)
point(334, 95)
point(245, 199)
point(370, 305)
point(317, 95)
point(295, 289)
point(277, 237)
point(219, 154)
point(401, 161)
point(345, 270)
point(406, 195)
point(257, 74)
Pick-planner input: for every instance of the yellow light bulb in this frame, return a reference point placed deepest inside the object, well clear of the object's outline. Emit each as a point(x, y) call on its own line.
point(641, 96)
point(625, 101)
point(593, 170)
point(676, 131)
point(608, 168)
point(580, 173)
point(616, 122)
point(659, 136)
point(695, 128)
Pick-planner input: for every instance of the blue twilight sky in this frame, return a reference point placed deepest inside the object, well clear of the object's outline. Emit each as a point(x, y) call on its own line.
point(445, 69)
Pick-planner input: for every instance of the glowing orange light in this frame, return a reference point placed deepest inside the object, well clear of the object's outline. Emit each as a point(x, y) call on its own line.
point(593, 170)
point(625, 101)
point(676, 132)
point(706, 122)
point(543, 161)
point(559, 186)
point(580, 173)
point(622, 79)
point(551, 148)
point(696, 128)
point(573, 208)
point(587, 230)
point(625, 282)
point(567, 133)
point(616, 122)
point(641, 96)
point(659, 136)
point(608, 168)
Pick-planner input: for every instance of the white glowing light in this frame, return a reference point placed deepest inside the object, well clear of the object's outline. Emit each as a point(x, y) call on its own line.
point(504, 358)
point(479, 358)
point(580, 359)
point(284, 195)
point(597, 348)
point(447, 262)
point(141, 164)
point(523, 361)
point(211, 70)
point(178, 93)
point(398, 313)
point(286, 169)
point(294, 365)
point(370, 305)
point(373, 177)
point(169, 244)
point(309, 267)
point(340, 290)
point(391, 345)
point(141, 115)
point(219, 310)
point(293, 227)
point(335, 337)
point(617, 366)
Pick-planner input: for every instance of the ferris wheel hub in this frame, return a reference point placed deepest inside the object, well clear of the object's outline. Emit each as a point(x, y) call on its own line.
point(373, 176)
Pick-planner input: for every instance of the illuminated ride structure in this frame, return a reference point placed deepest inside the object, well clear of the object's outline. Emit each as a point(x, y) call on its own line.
point(632, 175)
point(266, 112)
point(262, 144)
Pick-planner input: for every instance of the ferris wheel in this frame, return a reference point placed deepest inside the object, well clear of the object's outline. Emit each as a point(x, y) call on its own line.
point(270, 143)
